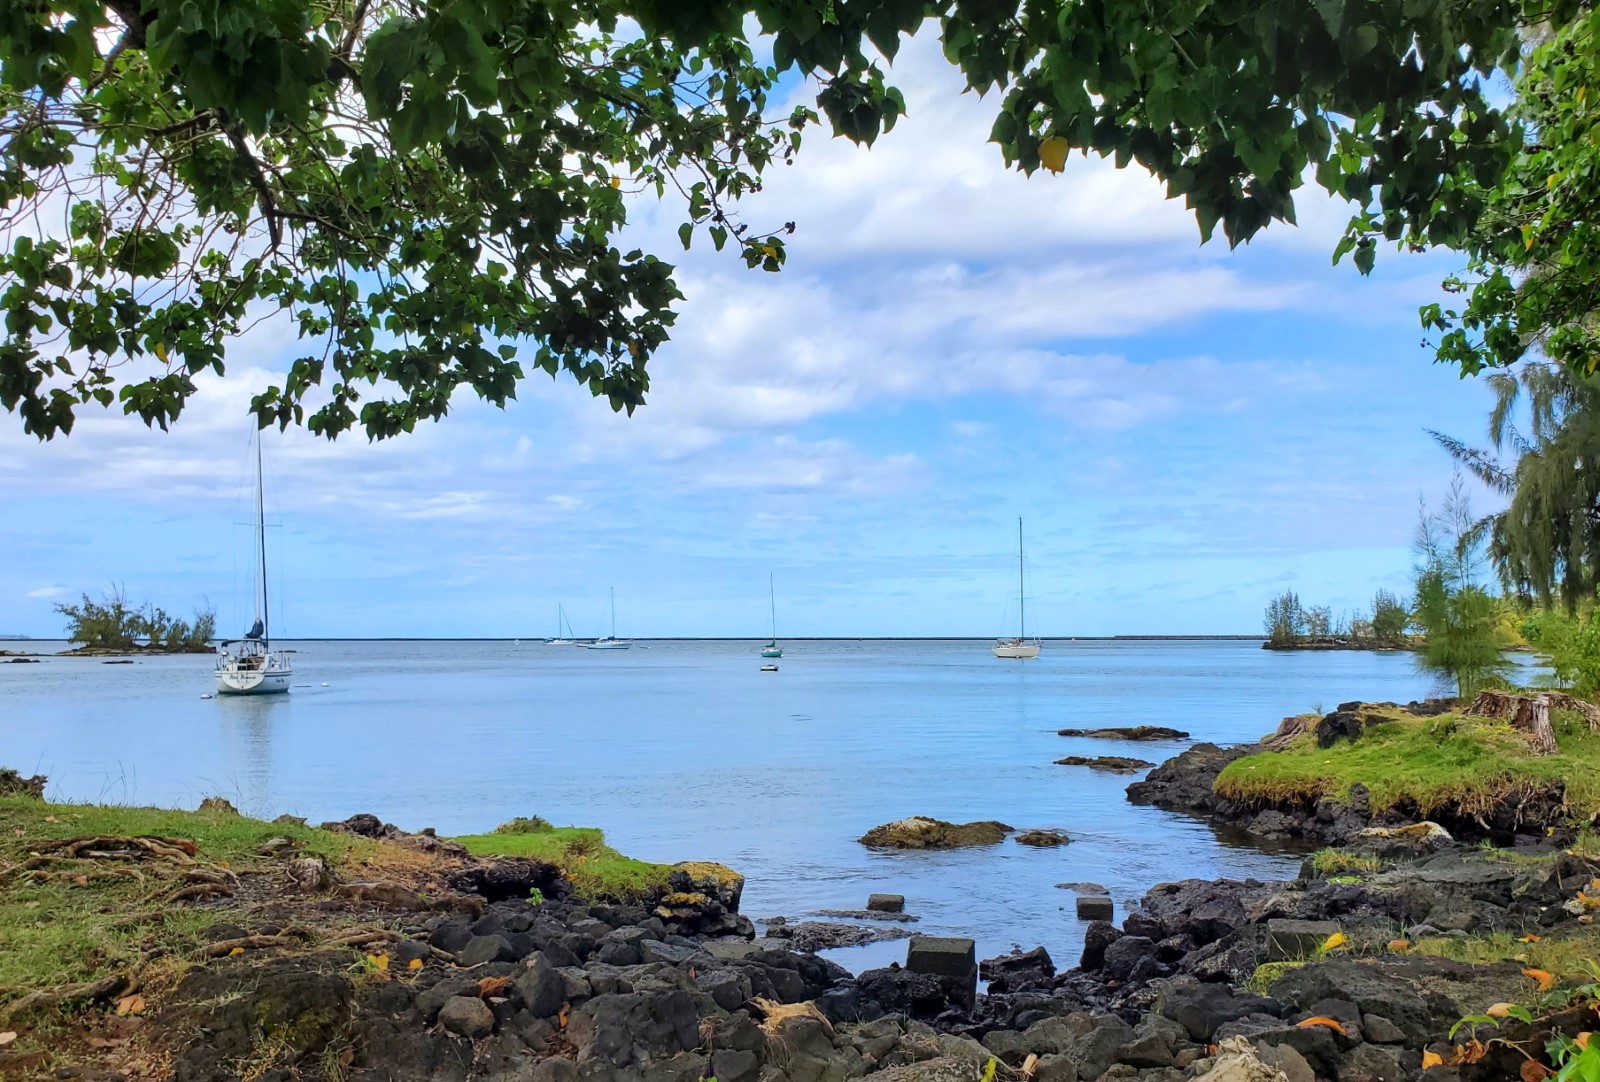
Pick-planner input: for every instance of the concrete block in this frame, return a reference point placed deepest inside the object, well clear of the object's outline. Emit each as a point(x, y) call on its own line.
point(1293, 940)
point(1094, 907)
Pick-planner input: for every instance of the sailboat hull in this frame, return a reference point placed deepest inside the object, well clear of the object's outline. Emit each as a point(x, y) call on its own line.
point(611, 644)
point(253, 682)
point(772, 652)
point(1021, 651)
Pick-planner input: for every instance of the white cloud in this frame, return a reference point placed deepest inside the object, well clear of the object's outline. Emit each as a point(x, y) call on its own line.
point(44, 593)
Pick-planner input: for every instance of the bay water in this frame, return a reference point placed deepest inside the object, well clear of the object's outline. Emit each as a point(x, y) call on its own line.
point(685, 750)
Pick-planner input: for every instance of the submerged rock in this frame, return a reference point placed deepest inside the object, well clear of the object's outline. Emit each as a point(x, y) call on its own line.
point(867, 914)
point(1042, 838)
point(816, 935)
point(1115, 764)
point(920, 832)
point(1132, 732)
point(1083, 888)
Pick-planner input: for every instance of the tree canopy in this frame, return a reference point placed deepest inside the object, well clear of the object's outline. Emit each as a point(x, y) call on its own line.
point(1534, 258)
point(431, 190)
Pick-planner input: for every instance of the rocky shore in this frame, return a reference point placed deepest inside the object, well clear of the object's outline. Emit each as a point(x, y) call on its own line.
point(1202, 980)
point(456, 967)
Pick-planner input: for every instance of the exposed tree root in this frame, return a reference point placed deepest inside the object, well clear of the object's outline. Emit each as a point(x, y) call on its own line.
point(368, 937)
point(110, 847)
point(289, 937)
point(200, 890)
point(91, 991)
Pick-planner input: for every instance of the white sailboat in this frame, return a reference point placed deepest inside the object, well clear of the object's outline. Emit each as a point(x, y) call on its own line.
point(249, 666)
point(772, 649)
point(610, 642)
point(564, 636)
point(1019, 648)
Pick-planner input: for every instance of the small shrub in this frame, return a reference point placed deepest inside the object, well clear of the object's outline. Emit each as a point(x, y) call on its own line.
point(530, 824)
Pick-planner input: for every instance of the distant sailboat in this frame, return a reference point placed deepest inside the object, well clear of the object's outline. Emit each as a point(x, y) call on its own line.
point(249, 666)
point(564, 636)
point(610, 642)
point(772, 649)
point(1019, 647)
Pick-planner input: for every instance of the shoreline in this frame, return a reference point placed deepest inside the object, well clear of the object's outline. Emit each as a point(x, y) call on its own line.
point(431, 952)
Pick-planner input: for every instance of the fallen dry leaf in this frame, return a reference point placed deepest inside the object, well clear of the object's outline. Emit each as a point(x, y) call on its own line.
point(1471, 1052)
point(1030, 1065)
point(49, 818)
point(1534, 1071)
point(492, 986)
point(1334, 941)
point(130, 1004)
point(1544, 978)
point(7, 1037)
point(1530, 938)
point(561, 1019)
point(1498, 1010)
point(106, 1042)
point(415, 963)
point(81, 880)
point(1431, 1059)
point(1326, 1022)
point(235, 951)
point(380, 962)
point(1398, 945)
point(1582, 1040)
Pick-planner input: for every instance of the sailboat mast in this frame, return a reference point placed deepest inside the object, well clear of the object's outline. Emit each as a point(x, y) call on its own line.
point(772, 597)
point(1022, 601)
point(261, 543)
point(613, 612)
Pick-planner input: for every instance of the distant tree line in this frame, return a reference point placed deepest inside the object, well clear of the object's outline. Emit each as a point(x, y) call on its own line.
point(112, 623)
point(1290, 625)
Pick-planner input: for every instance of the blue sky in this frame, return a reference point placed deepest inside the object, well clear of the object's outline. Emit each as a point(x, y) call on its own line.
point(1185, 430)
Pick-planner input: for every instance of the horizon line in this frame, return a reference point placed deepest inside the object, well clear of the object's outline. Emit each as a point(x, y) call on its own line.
point(725, 638)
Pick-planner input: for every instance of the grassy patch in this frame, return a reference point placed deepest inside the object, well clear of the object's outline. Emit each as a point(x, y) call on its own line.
point(594, 868)
point(1567, 957)
point(60, 930)
point(1337, 862)
point(1452, 760)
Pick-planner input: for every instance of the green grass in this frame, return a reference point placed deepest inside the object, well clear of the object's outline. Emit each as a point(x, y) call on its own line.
point(1267, 972)
point(1424, 764)
point(1568, 957)
point(61, 931)
point(1336, 863)
point(594, 868)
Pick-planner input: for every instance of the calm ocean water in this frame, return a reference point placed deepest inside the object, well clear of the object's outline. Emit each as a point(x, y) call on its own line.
point(684, 750)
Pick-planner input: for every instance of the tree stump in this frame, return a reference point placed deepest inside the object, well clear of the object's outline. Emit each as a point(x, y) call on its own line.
point(1527, 714)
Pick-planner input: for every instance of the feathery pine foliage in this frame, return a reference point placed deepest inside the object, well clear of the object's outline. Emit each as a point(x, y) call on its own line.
point(1464, 640)
point(1546, 543)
